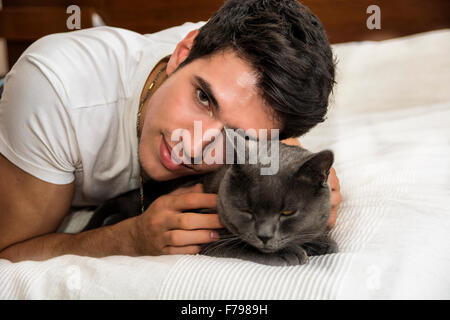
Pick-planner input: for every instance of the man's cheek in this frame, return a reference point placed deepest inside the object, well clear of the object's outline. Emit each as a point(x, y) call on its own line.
point(214, 152)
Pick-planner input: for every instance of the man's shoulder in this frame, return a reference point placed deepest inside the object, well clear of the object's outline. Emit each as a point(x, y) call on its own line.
point(94, 47)
point(108, 37)
point(90, 66)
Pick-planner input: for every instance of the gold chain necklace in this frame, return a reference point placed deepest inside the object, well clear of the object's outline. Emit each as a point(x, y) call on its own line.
point(138, 132)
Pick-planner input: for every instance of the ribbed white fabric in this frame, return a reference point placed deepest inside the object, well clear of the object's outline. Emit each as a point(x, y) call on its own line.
point(202, 277)
point(393, 225)
point(392, 228)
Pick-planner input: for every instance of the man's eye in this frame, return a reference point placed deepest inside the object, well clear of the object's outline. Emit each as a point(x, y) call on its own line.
point(203, 97)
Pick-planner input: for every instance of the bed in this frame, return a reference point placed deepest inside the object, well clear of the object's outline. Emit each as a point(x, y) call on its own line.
point(389, 127)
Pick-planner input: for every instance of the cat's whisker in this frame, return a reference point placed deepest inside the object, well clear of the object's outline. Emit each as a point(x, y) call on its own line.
point(237, 244)
point(228, 236)
point(218, 243)
point(305, 237)
point(244, 246)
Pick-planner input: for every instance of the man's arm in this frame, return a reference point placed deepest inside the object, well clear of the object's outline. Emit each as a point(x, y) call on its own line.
point(30, 212)
point(336, 197)
point(106, 241)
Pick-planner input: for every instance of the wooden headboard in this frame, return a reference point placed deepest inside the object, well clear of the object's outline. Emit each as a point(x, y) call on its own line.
point(24, 21)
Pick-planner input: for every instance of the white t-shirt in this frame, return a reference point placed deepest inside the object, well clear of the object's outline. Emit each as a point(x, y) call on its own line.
point(70, 103)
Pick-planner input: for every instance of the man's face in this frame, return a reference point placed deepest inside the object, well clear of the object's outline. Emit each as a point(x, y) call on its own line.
point(217, 91)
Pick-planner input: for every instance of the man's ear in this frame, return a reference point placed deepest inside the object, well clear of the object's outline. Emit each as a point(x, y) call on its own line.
point(181, 51)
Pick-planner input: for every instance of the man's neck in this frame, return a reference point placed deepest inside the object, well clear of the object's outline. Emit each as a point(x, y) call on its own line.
point(151, 77)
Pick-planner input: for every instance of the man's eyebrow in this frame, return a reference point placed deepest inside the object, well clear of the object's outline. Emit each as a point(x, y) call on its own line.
point(208, 90)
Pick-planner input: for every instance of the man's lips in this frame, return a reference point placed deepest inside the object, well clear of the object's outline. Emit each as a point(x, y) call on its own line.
point(166, 157)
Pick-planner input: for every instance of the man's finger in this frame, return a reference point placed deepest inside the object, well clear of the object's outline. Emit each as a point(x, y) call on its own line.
point(197, 188)
point(332, 218)
point(180, 238)
point(333, 180)
point(336, 198)
point(191, 201)
point(192, 221)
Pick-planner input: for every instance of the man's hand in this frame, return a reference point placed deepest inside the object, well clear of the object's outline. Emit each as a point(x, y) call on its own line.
point(165, 229)
point(336, 197)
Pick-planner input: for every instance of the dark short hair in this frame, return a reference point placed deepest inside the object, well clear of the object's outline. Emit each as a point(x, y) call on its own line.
point(287, 46)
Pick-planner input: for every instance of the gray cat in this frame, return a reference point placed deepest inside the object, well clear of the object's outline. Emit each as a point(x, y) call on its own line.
point(275, 220)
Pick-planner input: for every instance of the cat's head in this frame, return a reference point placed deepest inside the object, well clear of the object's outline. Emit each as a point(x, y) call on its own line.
point(271, 211)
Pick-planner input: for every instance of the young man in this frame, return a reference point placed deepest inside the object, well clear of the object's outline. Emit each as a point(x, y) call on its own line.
point(86, 114)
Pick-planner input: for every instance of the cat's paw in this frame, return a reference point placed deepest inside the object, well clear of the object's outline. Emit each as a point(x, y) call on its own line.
point(321, 246)
point(332, 246)
point(294, 256)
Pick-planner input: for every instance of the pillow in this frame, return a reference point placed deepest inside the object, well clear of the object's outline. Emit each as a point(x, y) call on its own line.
point(392, 74)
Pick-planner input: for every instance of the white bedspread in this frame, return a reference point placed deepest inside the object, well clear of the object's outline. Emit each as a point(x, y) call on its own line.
point(389, 127)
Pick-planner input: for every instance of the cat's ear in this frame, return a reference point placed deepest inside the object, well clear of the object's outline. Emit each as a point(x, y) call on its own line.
point(315, 170)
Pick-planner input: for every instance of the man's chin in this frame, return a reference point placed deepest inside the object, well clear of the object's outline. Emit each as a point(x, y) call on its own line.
point(158, 172)
point(164, 174)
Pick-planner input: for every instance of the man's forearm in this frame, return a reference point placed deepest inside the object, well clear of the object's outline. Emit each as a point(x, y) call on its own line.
point(111, 240)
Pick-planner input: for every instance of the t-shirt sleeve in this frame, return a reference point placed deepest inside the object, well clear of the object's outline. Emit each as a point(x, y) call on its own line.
point(36, 133)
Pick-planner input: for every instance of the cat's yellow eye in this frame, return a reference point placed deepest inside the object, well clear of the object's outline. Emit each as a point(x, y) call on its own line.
point(287, 212)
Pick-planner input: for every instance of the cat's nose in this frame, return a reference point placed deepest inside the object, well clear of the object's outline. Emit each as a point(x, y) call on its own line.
point(264, 239)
